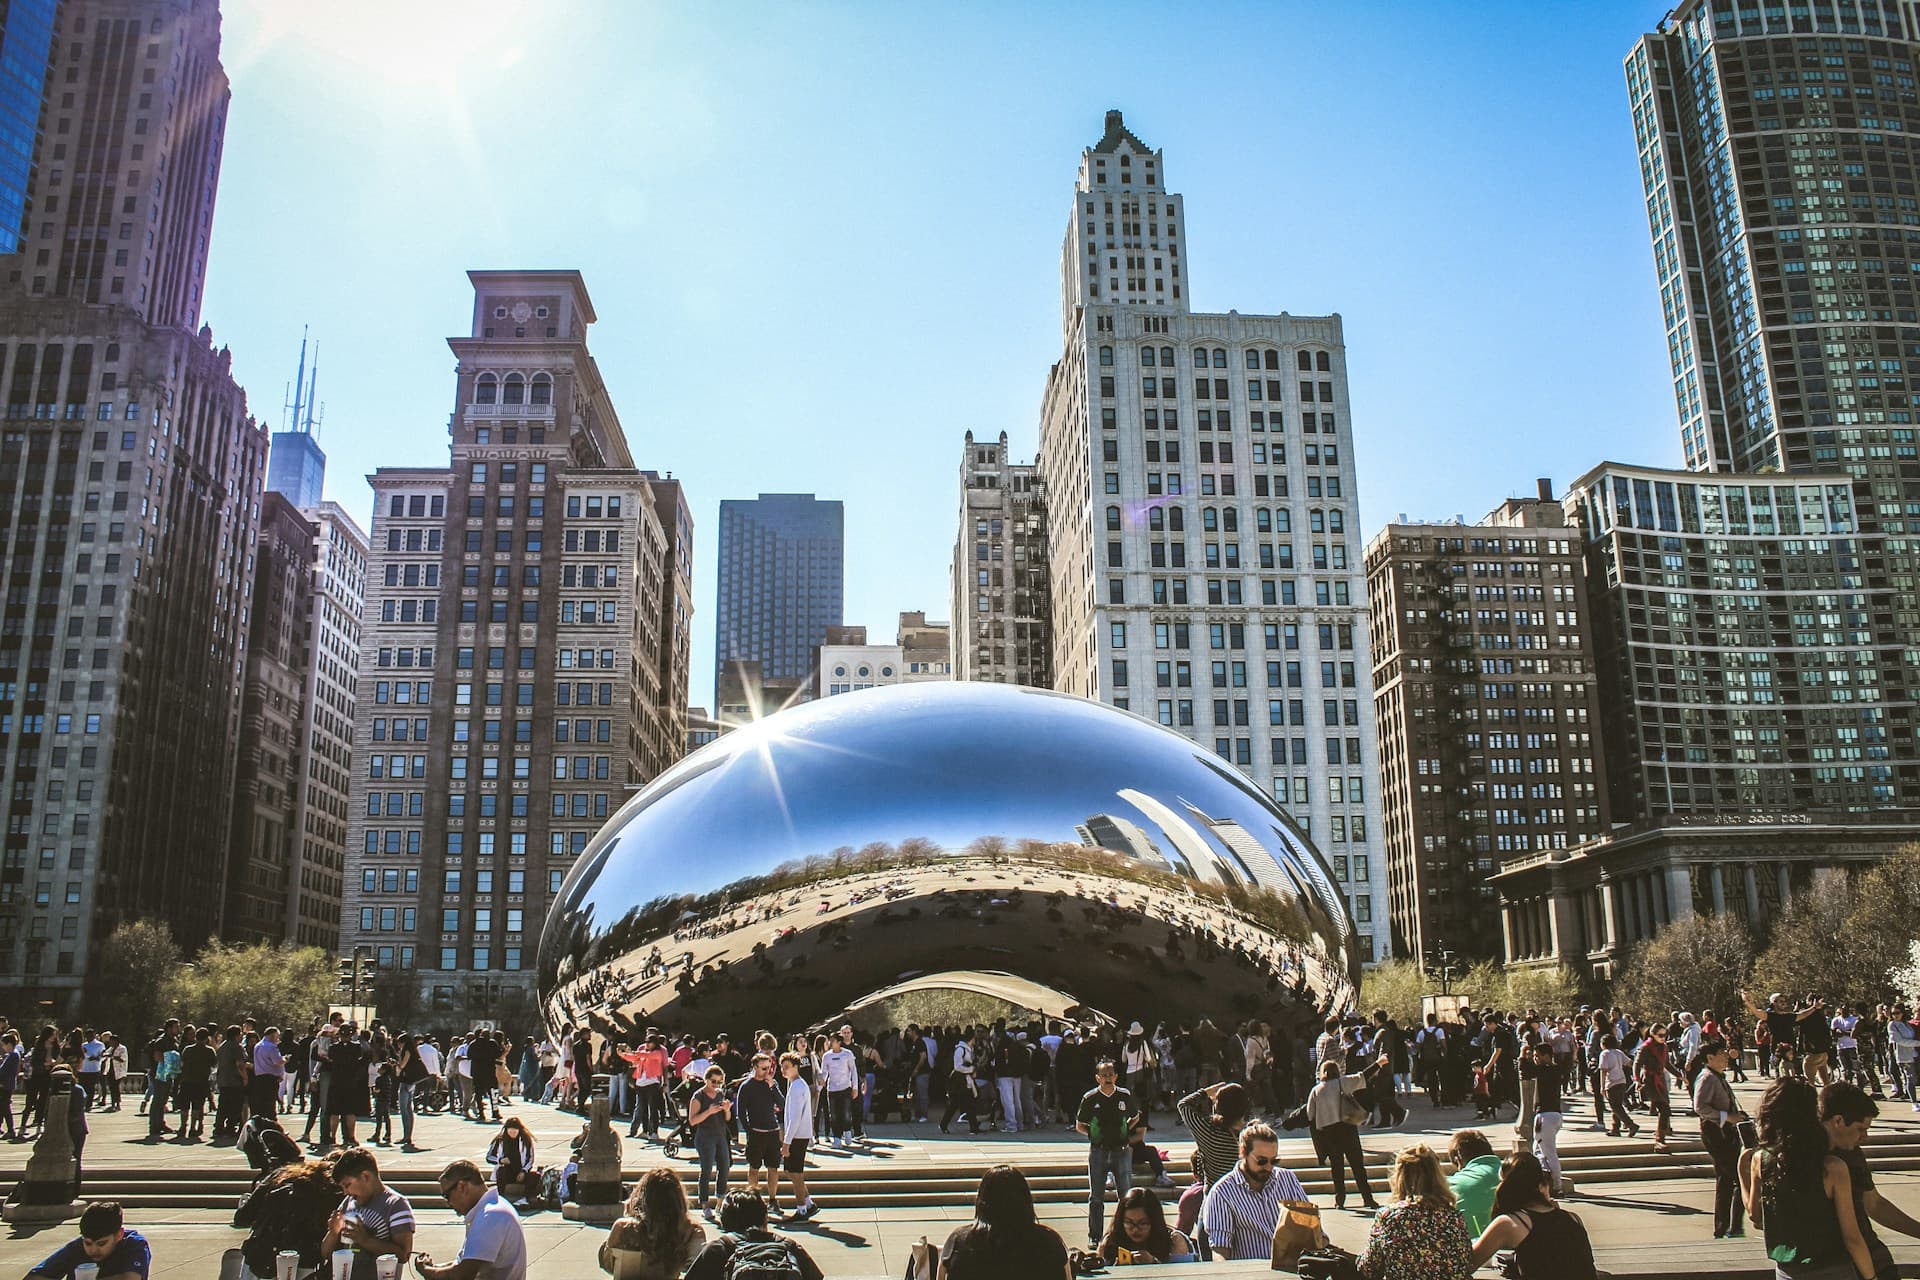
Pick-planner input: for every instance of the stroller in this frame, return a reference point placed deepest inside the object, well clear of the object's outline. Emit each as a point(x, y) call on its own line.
point(266, 1146)
point(682, 1135)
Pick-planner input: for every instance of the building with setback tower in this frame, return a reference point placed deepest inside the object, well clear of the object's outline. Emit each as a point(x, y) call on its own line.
point(1203, 524)
point(130, 483)
point(524, 661)
point(1002, 615)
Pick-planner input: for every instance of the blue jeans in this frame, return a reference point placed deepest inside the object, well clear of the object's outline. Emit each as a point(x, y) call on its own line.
point(618, 1093)
point(716, 1157)
point(406, 1114)
point(1103, 1162)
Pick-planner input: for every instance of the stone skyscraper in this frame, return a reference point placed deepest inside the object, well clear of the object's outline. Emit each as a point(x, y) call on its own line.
point(1204, 528)
point(524, 656)
point(781, 584)
point(130, 482)
point(1000, 583)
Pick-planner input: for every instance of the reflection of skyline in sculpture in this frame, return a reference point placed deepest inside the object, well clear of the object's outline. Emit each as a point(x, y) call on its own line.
point(801, 863)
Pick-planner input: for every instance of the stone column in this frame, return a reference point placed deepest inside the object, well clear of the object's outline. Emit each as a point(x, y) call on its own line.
point(1568, 930)
point(45, 1193)
point(1679, 893)
point(1752, 879)
point(1611, 925)
point(1719, 889)
point(599, 1193)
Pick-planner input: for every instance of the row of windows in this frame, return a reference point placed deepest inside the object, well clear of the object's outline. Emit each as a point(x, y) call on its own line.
point(513, 389)
point(1162, 357)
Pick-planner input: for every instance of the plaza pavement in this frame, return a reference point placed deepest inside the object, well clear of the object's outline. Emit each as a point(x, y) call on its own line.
point(1644, 1229)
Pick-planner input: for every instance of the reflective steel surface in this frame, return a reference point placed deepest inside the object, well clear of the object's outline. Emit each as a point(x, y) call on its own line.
point(804, 862)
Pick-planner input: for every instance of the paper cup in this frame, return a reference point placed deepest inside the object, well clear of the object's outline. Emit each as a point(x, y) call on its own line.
point(286, 1265)
point(343, 1264)
point(387, 1267)
point(86, 1271)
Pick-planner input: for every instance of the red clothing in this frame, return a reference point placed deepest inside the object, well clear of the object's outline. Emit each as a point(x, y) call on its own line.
point(649, 1065)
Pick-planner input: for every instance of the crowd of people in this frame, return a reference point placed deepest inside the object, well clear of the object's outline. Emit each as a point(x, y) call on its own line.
point(1797, 1171)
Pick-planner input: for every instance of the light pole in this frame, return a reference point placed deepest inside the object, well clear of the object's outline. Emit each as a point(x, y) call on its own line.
point(1443, 964)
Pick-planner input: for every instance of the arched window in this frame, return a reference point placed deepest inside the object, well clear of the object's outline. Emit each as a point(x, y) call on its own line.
point(486, 389)
point(1199, 357)
point(1219, 357)
point(542, 389)
point(1166, 357)
point(1106, 357)
point(515, 391)
point(1113, 518)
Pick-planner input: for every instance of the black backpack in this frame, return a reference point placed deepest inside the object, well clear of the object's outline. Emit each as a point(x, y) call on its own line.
point(769, 1259)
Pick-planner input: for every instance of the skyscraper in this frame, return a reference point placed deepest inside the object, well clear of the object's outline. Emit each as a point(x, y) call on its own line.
point(1203, 518)
point(1781, 192)
point(130, 481)
point(524, 656)
point(296, 465)
point(1489, 712)
point(1002, 614)
point(26, 53)
point(781, 582)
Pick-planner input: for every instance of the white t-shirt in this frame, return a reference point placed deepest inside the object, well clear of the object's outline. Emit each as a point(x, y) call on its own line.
point(90, 1061)
point(460, 1063)
point(799, 1115)
point(1613, 1066)
point(1843, 1032)
point(429, 1057)
point(837, 1068)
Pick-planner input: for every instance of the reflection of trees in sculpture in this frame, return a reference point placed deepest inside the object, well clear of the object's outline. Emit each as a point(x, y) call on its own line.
point(583, 982)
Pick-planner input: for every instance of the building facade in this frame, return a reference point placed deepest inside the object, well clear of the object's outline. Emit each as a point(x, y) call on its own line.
point(1203, 524)
point(847, 662)
point(1489, 713)
point(26, 57)
point(781, 583)
point(1002, 627)
point(130, 482)
point(523, 665)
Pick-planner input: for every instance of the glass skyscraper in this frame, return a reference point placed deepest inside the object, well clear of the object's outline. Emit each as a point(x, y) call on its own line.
point(26, 44)
point(782, 571)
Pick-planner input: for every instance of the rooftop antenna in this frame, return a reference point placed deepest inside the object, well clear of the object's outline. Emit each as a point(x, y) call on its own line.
point(313, 387)
point(299, 381)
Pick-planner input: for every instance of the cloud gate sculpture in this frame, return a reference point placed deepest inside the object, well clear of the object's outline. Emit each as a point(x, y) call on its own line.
point(804, 863)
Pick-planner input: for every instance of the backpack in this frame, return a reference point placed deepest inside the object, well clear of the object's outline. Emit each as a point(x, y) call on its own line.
point(169, 1068)
point(761, 1260)
point(1430, 1049)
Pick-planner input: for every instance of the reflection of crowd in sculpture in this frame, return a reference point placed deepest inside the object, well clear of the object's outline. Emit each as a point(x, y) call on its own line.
point(764, 942)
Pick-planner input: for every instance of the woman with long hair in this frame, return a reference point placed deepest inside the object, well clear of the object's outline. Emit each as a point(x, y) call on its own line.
point(1799, 1194)
point(1139, 1235)
point(291, 1209)
point(511, 1154)
point(655, 1238)
point(1421, 1235)
point(1547, 1241)
point(1214, 1116)
point(1004, 1241)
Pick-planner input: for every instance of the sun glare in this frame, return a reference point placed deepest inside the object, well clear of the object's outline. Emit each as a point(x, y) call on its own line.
point(402, 44)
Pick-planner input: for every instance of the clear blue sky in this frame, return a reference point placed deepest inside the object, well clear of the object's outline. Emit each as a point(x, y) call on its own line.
point(823, 238)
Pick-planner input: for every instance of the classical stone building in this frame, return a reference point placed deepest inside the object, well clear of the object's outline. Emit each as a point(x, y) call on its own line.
point(1489, 713)
point(1202, 516)
point(130, 483)
point(847, 662)
point(524, 662)
point(1002, 588)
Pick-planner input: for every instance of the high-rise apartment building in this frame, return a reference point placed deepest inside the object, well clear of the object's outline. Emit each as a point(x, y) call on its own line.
point(1002, 614)
point(130, 483)
point(1489, 713)
point(524, 657)
point(781, 584)
point(1758, 731)
point(26, 54)
point(1202, 515)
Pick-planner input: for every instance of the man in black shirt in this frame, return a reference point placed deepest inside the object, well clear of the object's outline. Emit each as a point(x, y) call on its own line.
point(1107, 1116)
point(1782, 1025)
point(1549, 1080)
point(483, 1056)
point(758, 1108)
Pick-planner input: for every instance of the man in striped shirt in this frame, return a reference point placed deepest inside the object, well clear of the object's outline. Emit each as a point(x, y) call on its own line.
point(1243, 1209)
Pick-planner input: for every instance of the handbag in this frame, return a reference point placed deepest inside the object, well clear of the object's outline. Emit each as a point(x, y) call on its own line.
point(1297, 1232)
point(1328, 1262)
point(923, 1261)
point(1352, 1111)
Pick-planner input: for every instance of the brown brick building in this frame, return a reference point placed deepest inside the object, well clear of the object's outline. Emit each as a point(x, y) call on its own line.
point(1489, 714)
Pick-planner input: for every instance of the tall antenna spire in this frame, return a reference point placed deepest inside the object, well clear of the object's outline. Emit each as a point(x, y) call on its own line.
point(313, 387)
point(299, 381)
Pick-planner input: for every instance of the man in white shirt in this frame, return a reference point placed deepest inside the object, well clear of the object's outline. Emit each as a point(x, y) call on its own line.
point(495, 1247)
point(796, 1130)
point(839, 1076)
point(91, 1054)
point(461, 1077)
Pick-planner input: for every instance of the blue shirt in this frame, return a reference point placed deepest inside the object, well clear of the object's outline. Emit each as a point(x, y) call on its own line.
point(131, 1255)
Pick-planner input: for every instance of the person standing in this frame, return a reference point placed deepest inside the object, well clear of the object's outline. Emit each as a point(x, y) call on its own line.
point(198, 1064)
point(1332, 1108)
point(796, 1132)
point(1652, 1067)
point(495, 1240)
point(960, 1093)
point(1106, 1117)
point(1613, 1076)
point(9, 1078)
point(708, 1112)
point(1214, 1117)
point(1549, 1082)
point(1243, 1209)
point(347, 1095)
point(757, 1107)
point(320, 1056)
point(649, 1063)
point(92, 1050)
point(1798, 1192)
point(168, 1041)
point(269, 1075)
point(838, 1069)
point(114, 1069)
point(232, 1062)
point(583, 1068)
point(1720, 1120)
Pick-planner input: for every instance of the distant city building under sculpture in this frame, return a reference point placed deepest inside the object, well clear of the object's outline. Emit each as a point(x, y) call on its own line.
point(806, 861)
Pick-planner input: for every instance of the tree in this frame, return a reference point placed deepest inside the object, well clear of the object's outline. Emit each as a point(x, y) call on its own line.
point(1812, 950)
point(139, 960)
point(1697, 963)
point(275, 985)
point(1552, 990)
point(1396, 986)
point(1884, 921)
